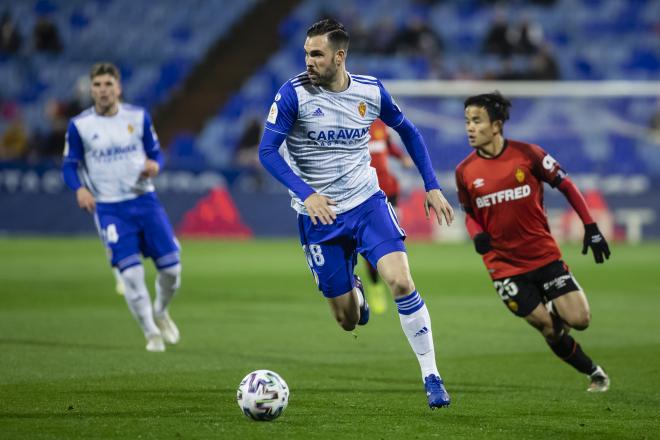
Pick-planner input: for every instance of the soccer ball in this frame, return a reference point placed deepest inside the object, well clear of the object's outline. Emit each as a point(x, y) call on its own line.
point(262, 395)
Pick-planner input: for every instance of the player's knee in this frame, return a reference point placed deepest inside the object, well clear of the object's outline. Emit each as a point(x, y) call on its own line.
point(170, 275)
point(580, 321)
point(401, 285)
point(346, 321)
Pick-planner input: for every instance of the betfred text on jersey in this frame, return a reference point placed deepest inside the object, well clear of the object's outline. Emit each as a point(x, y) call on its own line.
point(506, 195)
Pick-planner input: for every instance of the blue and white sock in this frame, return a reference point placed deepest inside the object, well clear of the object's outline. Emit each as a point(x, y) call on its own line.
point(416, 324)
point(137, 298)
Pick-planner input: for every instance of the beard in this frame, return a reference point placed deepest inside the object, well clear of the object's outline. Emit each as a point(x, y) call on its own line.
point(324, 79)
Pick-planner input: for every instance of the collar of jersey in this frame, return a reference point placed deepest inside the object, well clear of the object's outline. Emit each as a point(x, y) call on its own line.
point(506, 144)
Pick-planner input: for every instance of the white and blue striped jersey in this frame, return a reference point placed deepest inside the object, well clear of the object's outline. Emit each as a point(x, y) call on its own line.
point(327, 135)
point(112, 151)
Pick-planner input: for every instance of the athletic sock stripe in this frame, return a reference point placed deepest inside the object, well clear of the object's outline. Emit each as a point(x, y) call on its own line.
point(409, 304)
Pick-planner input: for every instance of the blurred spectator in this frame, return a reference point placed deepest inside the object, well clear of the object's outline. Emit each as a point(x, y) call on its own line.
point(543, 66)
point(10, 38)
point(526, 38)
point(46, 36)
point(654, 125)
point(381, 40)
point(51, 144)
point(14, 140)
point(498, 38)
point(247, 154)
point(417, 38)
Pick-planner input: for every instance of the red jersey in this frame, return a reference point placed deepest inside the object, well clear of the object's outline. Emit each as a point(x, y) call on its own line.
point(380, 148)
point(504, 195)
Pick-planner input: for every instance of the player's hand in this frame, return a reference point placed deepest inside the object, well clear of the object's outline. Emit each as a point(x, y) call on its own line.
point(482, 243)
point(435, 200)
point(596, 241)
point(319, 207)
point(151, 169)
point(85, 199)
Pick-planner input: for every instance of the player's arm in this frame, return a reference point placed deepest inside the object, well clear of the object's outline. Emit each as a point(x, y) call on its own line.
point(479, 236)
point(550, 171)
point(73, 156)
point(283, 114)
point(155, 159)
point(391, 114)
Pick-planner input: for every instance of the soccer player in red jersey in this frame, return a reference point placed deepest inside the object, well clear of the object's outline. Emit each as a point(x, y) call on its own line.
point(500, 187)
point(381, 148)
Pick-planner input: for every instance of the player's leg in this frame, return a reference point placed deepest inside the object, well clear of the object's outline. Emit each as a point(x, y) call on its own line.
point(160, 244)
point(415, 322)
point(570, 309)
point(331, 258)
point(380, 240)
point(119, 283)
point(121, 237)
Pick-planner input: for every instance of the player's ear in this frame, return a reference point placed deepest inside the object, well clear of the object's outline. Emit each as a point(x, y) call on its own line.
point(498, 125)
point(340, 56)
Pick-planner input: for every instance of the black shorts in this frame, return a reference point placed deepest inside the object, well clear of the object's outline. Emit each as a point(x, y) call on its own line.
point(522, 293)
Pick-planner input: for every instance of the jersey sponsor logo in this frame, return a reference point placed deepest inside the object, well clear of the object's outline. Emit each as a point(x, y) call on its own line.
point(506, 195)
point(478, 183)
point(343, 135)
point(362, 108)
point(520, 175)
point(112, 154)
point(272, 114)
point(549, 162)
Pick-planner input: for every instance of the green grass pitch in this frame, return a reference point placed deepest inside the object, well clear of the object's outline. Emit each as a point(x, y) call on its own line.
point(73, 363)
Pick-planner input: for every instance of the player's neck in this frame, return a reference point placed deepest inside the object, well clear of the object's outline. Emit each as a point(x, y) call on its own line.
point(494, 148)
point(340, 83)
point(107, 111)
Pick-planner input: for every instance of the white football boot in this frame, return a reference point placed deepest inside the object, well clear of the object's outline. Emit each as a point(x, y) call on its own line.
point(168, 328)
point(600, 381)
point(155, 344)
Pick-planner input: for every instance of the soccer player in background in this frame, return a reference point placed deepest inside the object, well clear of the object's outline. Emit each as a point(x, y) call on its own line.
point(113, 147)
point(324, 115)
point(381, 148)
point(500, 187)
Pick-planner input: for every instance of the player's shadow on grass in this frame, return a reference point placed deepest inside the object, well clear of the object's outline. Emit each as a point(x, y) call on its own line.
point(59, 344)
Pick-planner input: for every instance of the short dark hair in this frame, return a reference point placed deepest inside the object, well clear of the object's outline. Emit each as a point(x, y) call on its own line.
point(495, 104)
point(337, 33)
point(104, 68)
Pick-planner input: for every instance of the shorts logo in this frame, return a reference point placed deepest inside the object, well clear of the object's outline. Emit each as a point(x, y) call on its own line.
point(362, 108)
point(511, 304)
point(557, 283)
point(520, 175)
point(478, 183)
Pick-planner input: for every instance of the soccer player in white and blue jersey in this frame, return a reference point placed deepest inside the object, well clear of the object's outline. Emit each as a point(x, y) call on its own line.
point(110, 156)
point(324, 115)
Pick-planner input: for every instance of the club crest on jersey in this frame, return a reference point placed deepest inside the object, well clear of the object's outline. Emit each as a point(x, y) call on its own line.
point(520, 175)
point(478, 183)
point(131, 129)
point(362, 108)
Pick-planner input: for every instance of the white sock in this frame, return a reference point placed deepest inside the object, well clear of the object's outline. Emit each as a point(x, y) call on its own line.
point(137, 298)
point(416, 324)
point(168, 281)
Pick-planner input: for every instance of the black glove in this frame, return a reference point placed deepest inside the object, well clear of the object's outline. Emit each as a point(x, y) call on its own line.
point(482, 243)
point(594, 239)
